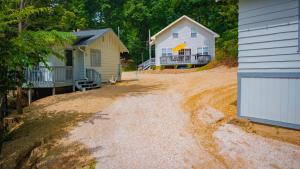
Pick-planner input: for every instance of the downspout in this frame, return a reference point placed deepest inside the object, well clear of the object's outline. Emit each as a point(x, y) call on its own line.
point(83, 51)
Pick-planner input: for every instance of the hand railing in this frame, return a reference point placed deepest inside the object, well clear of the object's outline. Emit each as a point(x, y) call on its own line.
point(42, 74)
point(93, 75)
point(185, 59)
point(147, 63)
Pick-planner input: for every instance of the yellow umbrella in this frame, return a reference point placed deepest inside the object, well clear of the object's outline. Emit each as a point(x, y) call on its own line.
point(179, 47)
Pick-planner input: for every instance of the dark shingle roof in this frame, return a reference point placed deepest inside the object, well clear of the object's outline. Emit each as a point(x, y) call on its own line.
point(88, 36)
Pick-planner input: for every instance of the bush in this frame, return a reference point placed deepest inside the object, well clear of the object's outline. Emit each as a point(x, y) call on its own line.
point(189, 66)
point(162, 67)
point(175, 66)
point(129, 67)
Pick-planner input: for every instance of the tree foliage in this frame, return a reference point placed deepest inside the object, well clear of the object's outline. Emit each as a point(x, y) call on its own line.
point(43, 22)
point(136, 17)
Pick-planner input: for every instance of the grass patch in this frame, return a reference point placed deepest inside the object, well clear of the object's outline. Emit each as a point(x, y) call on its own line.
point(215, 63)
point(210, 65)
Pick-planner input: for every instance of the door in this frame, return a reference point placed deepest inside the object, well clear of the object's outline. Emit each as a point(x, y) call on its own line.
point(69, 57)
point(69, 65)
point(185, 52)
point(79, 65)
point(185, 55)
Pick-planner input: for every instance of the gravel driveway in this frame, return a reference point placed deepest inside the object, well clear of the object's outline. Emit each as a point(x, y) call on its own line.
point(151, 129)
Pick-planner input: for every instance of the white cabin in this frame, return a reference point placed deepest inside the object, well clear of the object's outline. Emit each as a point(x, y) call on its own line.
point(197, 43)
point(94, 58)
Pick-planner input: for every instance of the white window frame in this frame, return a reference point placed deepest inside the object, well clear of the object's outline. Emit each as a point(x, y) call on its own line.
point(175, 33)
point(166, 52)
point(205, 52)
point(193, 33)
point(169, 52)
point(163, 52)
point(199, 50)
point(202, 50)
point(95, 56)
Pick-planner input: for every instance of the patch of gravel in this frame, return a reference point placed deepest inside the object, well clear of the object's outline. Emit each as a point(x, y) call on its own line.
point(246, 150)
point(144, 131)
point(209, 115)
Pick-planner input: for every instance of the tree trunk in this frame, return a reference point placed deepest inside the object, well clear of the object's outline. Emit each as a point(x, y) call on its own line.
point(19, 100)
point(2, 103)
point(1, 120)
point(19, 89)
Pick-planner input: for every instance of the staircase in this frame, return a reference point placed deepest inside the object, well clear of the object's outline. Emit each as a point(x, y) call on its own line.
point(92, 80)
point(147, 64)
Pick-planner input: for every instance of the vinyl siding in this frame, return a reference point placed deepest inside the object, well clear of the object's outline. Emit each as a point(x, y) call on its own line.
point(269, 62)
point(275, 99)
point(268, 35)
point(166, 40)
point(110, 56)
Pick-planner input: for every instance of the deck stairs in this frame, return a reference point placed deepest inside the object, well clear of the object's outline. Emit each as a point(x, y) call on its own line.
point(147, 64)
point(92, 81)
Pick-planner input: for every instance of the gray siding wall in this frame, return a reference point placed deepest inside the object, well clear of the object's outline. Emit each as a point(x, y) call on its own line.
point(268, 36)
point(166, 40)
point(269, 62)
point(110, 56)
point(275, 99)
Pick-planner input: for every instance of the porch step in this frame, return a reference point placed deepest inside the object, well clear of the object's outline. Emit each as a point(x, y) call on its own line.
point(84, 84)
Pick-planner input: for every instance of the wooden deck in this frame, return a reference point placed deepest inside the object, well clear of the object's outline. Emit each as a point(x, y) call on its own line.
point(42, 77)
point(185, 59)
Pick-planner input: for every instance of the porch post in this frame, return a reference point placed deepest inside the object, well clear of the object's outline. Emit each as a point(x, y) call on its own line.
point(53, 90)
point(149, 45)
point(73, 70)
point(29, 96)
point(53, 78)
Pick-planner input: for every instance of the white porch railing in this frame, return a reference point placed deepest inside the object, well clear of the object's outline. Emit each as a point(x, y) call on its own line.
point(147, 64)
point(41, 76)
point(93, 75)
point(185, 59)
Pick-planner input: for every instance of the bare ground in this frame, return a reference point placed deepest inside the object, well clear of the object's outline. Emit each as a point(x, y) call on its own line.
point(181, 125)
point(161, 119)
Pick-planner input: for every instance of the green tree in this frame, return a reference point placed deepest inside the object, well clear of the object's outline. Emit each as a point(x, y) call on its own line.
point(22, 45)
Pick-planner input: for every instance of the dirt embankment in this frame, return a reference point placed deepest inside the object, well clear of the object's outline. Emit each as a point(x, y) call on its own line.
point(192, 115)
point(237, 142)
point(37, 143)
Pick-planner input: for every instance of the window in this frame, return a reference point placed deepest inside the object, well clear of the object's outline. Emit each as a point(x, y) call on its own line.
point(166, 52)
point(193, 33)
point(184, 52)
point(202, 50)
point(175, 33)
point(205, 50)
point(95, 57)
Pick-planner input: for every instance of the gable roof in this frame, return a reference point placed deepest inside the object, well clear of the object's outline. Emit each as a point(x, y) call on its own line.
point(189, 19)
point(86, 37)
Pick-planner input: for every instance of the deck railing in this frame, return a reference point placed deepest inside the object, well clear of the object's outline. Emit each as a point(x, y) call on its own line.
point(41, 76)
point(93, 75)
point(147, 63)
point(185, 59)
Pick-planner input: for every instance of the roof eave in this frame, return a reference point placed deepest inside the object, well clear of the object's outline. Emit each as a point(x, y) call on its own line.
point(153, 38)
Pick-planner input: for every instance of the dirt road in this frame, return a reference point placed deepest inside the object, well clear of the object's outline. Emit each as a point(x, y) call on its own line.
point(180, 121)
